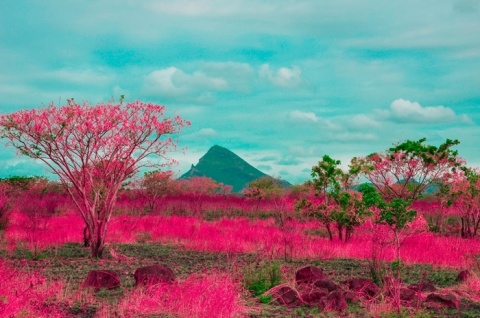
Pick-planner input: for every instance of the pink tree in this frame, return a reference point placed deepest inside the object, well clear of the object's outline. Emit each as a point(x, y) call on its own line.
point(406, 170)
point(155, 185)
point(462, 190)
point(93, 149)
point(198, 188)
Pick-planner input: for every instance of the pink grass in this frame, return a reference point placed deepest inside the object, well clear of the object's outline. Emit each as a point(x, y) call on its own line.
point(24, 294)
point(247, 236)
point(215, 295)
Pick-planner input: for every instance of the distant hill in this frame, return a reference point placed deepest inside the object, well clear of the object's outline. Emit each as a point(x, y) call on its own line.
point(224, 166)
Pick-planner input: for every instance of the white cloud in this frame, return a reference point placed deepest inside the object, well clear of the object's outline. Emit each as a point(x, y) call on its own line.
point(406, 111)
point(349, 137)
point(173, 82)
point(283, 77)
point(203, 133)
point(299, 116)
point(363, 122)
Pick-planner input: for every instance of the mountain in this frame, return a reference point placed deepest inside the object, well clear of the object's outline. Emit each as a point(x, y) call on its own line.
point(224, 166)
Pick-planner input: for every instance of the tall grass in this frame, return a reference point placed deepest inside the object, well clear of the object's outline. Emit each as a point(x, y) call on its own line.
point(246, 236)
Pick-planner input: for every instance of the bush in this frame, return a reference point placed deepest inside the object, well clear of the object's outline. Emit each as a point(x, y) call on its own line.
point(260, 277)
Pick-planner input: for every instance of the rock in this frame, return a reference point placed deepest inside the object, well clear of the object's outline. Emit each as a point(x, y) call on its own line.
point(445, 301)
point(327, 284)
point(314, 296)
point(335, 301)
point(363, 286)
point(423, 287)
point(308, 275)
point(284, 295)
point(99, 279)
point(351, 297)
point(407, 294)
point(464, 275)
point(154, 274)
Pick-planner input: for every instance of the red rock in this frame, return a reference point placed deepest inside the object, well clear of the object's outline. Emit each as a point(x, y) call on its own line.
point(99, 279)
point(327, 284)
point(464, 275)
point(445, 301)
point(308, 275)
point(335, 301)
point(423, 287)
point(284, 295)
point(407, 294)
point(154, 274)
point(314, 296)
point(363, 286)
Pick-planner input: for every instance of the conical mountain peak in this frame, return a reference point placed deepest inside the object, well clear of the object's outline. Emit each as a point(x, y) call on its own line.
point(222, 165)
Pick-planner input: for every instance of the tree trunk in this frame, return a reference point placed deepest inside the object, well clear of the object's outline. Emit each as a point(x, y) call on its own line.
point(329, 230)
point(97, 245)
point(340, 231)
point(97, 239)
point(86, 237)
point(348, 233)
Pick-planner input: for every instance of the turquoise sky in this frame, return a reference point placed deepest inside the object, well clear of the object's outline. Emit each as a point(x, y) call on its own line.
point(280, 83)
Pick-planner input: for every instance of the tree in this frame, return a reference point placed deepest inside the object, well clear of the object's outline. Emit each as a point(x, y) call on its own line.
point(156, 185)
point(197, 188)
point(406, 170)
point(263, 188)
point(93, 149)
point(338, 202)
point(462, 190)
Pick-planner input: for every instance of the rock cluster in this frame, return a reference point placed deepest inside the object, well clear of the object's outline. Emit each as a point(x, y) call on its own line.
point(144, 276)
point(312, 288)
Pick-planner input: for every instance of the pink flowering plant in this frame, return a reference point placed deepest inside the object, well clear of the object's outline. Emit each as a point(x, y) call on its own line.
point(93, 149)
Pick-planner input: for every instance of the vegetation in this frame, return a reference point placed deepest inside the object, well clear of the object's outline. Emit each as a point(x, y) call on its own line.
point(230, 253)
point(93, 150)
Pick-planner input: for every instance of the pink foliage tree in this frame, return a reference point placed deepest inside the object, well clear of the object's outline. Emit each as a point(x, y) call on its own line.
point(93, 149)
point(198, 188)
point(462, 190)
point(155, 185)
point(406, 170)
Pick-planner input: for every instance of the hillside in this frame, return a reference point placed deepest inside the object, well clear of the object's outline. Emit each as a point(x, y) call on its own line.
point(226, 167)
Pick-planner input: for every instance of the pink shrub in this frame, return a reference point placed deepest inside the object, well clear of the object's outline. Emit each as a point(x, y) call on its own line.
point(25, 294)
point(215, 295)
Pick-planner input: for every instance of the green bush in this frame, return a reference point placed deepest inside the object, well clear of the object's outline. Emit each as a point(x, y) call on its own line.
point(260, 277)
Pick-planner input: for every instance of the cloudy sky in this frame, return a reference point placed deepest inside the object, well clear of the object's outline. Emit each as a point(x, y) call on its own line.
point(280, 83)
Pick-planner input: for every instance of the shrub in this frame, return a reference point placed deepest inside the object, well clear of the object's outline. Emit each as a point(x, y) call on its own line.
point(258, 278)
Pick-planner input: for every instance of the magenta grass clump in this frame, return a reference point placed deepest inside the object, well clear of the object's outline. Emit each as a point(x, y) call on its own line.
point(212, 295)
point(24, 294)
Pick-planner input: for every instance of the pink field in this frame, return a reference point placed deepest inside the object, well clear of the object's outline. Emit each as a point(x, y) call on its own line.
point(30, 294)
point(245, 236)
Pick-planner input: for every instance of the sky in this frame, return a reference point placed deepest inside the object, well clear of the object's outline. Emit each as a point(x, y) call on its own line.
point(280, 83)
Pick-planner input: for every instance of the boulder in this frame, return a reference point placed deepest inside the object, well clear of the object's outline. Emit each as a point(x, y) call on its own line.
point(423, 287)
point(363, 286)
point(99, 279)
point(464, 275)
point(314, 296)
point(407, 294)
point(154, 274)
point(327, 284)
point(308, 275)
point(435, 300)
point(335, 301)
point(284, 295)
